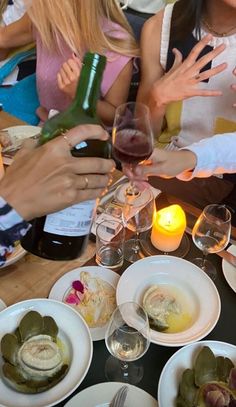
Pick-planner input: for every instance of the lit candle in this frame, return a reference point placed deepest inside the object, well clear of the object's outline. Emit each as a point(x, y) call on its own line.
point(168, 228)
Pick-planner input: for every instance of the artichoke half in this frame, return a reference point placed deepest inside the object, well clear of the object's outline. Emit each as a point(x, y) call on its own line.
point(33, 360)
point(211, 382)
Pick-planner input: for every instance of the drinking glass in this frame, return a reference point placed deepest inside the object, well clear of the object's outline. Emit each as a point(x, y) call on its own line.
point(132, 138)
point(211, 234)
point(138, 212)
point(127, 339)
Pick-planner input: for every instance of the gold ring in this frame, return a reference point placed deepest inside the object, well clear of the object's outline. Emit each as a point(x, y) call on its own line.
point(197, 77)
point(86, 182)
point(67, 140)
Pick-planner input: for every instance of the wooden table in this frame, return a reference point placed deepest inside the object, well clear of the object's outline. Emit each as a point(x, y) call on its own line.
point(32, 277)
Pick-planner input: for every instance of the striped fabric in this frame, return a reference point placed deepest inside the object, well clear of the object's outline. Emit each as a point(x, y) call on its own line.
point(12, 229)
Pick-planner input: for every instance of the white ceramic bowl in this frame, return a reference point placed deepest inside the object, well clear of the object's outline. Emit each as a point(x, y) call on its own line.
point(183, 359)
point(74, 334)
point(200, 295)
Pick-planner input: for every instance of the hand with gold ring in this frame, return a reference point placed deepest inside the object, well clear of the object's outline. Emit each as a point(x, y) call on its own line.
point(48, 178)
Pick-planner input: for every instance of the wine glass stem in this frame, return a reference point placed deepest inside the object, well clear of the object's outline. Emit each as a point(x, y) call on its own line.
point(124, 367)
point(204, 256)
point(136, 243)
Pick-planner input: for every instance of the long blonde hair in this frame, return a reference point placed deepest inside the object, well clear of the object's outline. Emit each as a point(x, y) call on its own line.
point(3, 6)
point(79, 23)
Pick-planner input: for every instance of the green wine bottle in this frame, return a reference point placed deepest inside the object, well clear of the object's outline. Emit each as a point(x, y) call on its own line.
point(63, 235)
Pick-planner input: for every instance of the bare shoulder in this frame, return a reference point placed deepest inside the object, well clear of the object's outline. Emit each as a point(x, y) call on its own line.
point(152, 27)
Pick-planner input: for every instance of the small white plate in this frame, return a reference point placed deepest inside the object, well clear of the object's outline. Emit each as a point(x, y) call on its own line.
point(200, 295)
point(183, 359)
point(73, 332)
point(16, 255)
point(229, 270)
point(64, 283)
point(100, 395)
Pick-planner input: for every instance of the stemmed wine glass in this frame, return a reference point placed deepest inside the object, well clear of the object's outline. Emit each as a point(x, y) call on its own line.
point(132, 138)
point(138, 211)
point(127, 339)
point(211, 234)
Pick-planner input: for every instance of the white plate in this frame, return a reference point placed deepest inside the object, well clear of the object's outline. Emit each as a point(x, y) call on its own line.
point(62, 286)
point(17, 135)
point(73, 332)
point(100, 395)
point(184, 359)
point(229, 270)
point(16, 255)
point(195, 287)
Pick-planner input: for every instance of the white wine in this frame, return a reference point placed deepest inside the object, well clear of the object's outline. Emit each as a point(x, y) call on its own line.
point(63, 235)
point(127, 344)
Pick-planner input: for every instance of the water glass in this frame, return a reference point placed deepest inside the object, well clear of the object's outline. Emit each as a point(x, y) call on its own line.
point(110, 238)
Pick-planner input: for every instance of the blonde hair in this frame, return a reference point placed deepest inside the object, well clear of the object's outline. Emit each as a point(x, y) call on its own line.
point(3, 6)
point(79, 23)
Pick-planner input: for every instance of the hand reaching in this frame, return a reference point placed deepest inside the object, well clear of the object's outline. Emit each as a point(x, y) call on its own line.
point(68, 76)
point(182, 81)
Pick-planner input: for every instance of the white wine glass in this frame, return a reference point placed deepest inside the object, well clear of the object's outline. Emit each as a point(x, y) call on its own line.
point(211, 234)
point(138, 212)
point(127, 339)
point(132, 139)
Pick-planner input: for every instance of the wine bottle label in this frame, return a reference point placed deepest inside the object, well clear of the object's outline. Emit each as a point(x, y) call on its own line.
point(74, 221)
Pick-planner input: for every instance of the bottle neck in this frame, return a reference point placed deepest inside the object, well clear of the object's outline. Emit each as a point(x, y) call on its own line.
point(88, 89)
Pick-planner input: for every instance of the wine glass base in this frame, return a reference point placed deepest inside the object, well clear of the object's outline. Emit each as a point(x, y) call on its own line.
point(131, 254)
point(206, 266)
point(115, 373)
point(124, 195)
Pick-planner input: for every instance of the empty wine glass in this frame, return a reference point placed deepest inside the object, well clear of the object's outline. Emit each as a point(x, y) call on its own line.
point(138, 212)
point(132, 138)
point(211, 234)
point(127, 339)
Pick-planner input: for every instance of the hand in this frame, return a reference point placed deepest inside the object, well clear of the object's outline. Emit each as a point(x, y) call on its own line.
point(165, 164)
point(182, 81)
point(68, 76)
point(234, 85)
point(47, 178)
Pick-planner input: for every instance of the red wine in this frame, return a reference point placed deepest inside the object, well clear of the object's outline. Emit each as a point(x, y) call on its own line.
point(131, 146)
point(63, 235)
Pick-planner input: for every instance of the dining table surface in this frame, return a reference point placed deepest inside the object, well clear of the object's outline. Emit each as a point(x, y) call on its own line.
point(33, 277)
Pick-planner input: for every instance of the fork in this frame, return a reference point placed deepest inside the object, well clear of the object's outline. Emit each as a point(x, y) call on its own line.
point(120, 397)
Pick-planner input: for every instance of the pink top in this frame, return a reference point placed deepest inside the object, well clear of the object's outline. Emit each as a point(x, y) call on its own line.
point(49, 64)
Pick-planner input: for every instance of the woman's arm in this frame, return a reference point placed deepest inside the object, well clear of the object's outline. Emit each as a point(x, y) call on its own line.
point(151, 69)
point(214, 155)
point(16, 34)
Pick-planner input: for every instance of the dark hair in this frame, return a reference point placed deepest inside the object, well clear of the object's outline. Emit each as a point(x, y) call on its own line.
point(186, 16)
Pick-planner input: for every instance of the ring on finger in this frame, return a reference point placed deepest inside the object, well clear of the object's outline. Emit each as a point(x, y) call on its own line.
point(67, 140)
point(86, 182)
point(197, 77)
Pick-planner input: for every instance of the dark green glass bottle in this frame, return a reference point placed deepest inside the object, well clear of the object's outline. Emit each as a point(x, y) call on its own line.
point(63, 235)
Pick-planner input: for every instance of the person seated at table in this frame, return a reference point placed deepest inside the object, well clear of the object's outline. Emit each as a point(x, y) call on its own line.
point(187, 83)
point(47, 179)
point(63, 33)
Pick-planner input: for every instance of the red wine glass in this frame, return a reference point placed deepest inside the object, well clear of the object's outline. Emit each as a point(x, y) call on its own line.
point(132, 139)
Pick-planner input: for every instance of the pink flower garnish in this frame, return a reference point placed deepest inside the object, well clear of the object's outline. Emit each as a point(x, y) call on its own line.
point(78, 286)
point(72, 299)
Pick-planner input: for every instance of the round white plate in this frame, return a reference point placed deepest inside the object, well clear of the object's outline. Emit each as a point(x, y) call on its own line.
point(73, 332)
point(62, 286)
point(20, 133)
point(229, 270)
point(184, 359)
point(16, 255)
point(201, 296)
point(2, 305)
point(100, 395)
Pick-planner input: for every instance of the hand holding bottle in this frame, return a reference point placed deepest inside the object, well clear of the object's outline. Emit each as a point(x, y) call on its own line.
point(47, 179)
point(68, 76)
